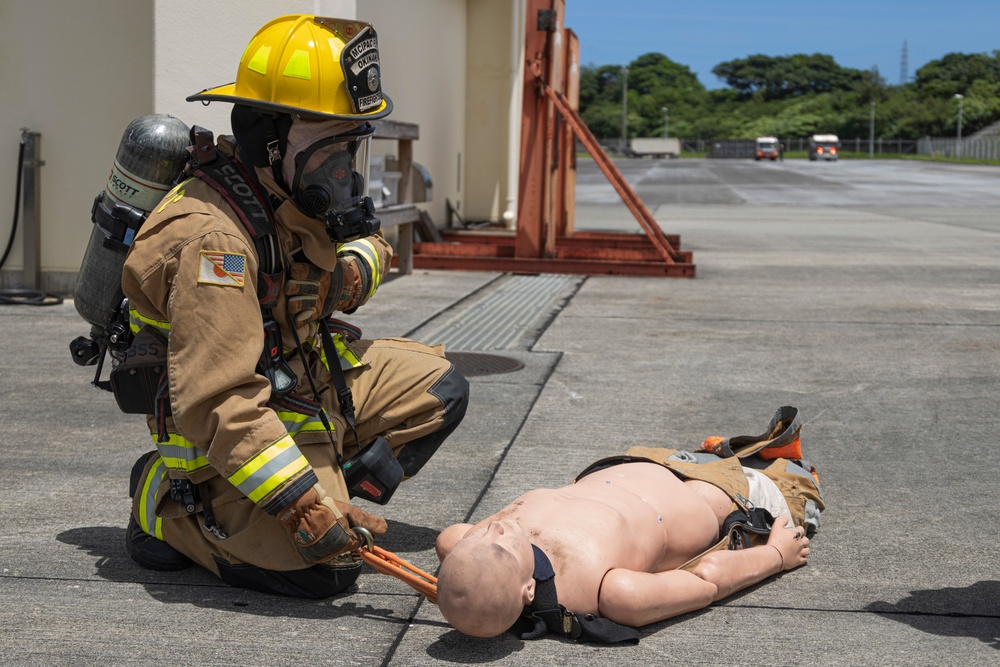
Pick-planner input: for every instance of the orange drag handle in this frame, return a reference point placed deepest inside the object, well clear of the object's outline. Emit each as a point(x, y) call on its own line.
point(389, 563)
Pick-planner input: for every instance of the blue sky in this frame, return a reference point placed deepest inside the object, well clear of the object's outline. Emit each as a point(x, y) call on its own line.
point(856, 33)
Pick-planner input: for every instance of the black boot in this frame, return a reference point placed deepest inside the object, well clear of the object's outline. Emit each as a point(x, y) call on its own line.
point(145, 549)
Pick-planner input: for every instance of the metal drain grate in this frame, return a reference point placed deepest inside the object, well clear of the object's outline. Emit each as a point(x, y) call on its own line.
point(476, 363)
point(512, 317)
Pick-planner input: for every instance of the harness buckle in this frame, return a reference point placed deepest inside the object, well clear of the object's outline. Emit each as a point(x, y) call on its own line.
point(184, 492)
point(364, 534)
point(273, 152)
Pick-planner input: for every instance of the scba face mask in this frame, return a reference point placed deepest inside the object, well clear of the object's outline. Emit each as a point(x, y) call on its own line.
point(330, 184)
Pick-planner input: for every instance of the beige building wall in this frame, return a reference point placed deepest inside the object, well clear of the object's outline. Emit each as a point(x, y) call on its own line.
point(79, 72)
point(493, 107)
point(454, 67)
point(423, 53)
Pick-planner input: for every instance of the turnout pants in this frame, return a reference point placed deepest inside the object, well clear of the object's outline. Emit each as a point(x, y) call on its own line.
point(406, 392)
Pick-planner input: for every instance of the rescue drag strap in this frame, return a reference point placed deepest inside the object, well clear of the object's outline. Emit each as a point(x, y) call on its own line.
point(389, 563)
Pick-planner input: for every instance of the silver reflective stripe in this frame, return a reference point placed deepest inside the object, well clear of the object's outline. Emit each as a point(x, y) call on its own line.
point(296, 422)
point(148, 521)
point(260, 476)
point(365, 249)
point(180, 454)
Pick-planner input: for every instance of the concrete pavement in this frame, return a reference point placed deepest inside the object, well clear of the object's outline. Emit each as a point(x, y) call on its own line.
point(877, 315)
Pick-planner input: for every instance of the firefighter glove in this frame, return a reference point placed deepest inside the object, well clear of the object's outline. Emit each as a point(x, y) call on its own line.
point(312, 292)
point(321, 528)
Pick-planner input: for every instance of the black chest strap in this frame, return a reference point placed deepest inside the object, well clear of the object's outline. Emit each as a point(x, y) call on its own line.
point(240, 189)
point(545, 614)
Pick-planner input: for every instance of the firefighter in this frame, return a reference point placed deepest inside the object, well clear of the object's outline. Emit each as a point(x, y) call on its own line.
point(266, 419)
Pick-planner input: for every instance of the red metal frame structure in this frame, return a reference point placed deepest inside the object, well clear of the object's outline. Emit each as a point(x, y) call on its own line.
point(545, 241)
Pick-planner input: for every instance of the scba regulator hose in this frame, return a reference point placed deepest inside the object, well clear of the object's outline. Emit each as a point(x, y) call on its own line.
point(25, 297)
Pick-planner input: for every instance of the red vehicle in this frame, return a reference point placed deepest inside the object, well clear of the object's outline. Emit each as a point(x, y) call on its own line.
point(766, 148)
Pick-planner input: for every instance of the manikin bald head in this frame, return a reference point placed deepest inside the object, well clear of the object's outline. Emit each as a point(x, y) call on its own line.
point(486, 579)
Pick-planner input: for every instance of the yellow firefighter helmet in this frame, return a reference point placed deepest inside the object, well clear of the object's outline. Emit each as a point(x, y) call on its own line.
point(309, 66)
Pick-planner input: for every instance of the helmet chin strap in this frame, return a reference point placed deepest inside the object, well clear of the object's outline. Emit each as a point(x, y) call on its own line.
point(273, 146)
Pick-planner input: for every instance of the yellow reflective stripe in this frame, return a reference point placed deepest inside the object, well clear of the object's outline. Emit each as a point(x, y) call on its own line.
point(296, 422)
point(345, 352)
point(174, 195)
point(364, 248)
point(178, 453)
point(148, 521)
point(298, 65)
point(269, 470)
point(137, 320)
point(348, 359)
point(258, 63)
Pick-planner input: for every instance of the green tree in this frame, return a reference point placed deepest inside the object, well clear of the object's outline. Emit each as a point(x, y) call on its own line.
point(792, 96)
point(600, 84)
point(779, 77)
point(871, 87)
point(956, 72)
point(654, 82)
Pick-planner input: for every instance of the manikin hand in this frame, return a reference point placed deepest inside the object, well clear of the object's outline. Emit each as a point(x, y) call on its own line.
point(790, 541)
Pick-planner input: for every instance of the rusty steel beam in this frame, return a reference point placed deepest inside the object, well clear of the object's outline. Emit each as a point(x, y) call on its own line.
point(556, 265)
point(617, 239)
point(481, 249)
point(545, 240)
point(621, 186)
point(605, 246)
point(612, 239)
point(535, 116)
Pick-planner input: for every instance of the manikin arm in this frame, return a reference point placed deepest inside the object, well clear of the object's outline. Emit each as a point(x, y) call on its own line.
point(639, 598)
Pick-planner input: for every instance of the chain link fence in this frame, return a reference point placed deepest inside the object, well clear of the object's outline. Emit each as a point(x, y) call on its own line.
point(979, 148)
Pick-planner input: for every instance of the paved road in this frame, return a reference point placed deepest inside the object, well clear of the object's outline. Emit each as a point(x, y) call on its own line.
point(863, 297)
point(856, 182)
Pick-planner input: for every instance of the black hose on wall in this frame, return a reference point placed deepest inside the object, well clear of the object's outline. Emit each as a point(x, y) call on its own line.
point(25, 297)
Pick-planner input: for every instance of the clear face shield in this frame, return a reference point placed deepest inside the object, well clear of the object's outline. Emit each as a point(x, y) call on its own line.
point(330, 182)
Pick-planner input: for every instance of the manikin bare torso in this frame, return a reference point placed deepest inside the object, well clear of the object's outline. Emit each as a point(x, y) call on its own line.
point(636, 516)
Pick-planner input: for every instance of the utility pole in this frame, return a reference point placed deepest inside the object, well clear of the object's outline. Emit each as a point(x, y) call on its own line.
point(958, 142)
point(666, 122)
point(904, 68)
point(624, 109)
point(871, 133)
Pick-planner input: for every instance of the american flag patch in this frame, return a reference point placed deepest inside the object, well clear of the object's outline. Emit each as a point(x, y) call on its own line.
point(222, 268)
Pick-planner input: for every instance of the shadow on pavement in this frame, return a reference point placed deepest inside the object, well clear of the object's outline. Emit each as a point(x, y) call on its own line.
point(973, 611)
point(200, 588)
point(455, 647)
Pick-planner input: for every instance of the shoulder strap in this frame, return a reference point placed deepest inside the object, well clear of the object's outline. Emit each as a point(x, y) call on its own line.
point(545, 614)
point(240, 189)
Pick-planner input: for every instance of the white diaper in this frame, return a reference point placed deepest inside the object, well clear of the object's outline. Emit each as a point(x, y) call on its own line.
point(764, 493)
